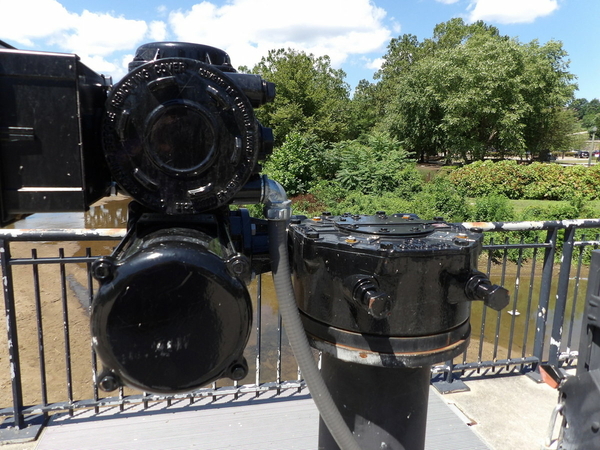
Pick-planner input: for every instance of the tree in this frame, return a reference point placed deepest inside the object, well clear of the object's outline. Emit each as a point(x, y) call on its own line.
point(469, 90)
point(312, 97)
point(365, 109)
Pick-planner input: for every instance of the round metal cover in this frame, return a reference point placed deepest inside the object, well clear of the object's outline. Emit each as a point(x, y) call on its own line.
point(180, 136)
point(171, 319)
point(400, 226)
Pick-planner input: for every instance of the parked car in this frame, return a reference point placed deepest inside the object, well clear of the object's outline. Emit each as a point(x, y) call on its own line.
point(583, 154)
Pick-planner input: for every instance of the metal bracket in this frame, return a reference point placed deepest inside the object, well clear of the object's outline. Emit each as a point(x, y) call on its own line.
point(10, 434)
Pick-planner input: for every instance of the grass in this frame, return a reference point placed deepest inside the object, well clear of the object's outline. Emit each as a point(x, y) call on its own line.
point(521, 205)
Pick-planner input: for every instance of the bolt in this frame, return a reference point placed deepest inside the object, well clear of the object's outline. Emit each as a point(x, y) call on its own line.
point(102, 269)
point(239, 266)
point(379, 305)
point(109, 382)
point(595, 427)
point(238, 372)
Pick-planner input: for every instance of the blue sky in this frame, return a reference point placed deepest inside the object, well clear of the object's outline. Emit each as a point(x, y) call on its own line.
point(354, 33)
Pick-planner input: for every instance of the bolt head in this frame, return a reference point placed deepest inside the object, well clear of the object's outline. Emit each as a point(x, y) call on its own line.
point(109, 383)
point(238, 372)
point(103, 269)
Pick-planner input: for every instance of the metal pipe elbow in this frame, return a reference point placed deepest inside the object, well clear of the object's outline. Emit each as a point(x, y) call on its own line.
point(274, 197)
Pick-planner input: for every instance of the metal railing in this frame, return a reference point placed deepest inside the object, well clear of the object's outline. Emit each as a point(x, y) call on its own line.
point(47, 365)
point(543, 265)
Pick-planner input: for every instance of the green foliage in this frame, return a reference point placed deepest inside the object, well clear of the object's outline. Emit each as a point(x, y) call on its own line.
point(535, 181)
point(376, 166)
point(493, 208)
point(300, 162)
point(312, 97)
point(469, 91)
point(484, 178)
point(441, 198)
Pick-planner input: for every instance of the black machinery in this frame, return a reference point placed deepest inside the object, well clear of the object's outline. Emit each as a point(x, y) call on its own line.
point(383, 297)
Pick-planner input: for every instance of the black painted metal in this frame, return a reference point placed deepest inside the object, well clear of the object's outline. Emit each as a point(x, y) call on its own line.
point(359, 389)
point(171, 313)
point(415, 271)
point(580, 394)
point(180, 135)
point(50, 153)
point(544, 300)
point(561, 297)
point(385, 297)
point(13, 341)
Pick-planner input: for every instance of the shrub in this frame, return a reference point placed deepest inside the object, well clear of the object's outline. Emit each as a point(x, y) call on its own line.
point(376, 166)
point(484, 178)
point(300, 163)
point(493, 208)
point(536, 181)
point(441, 198)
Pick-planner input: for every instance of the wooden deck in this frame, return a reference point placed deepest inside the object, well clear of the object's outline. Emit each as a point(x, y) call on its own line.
point(288, 421)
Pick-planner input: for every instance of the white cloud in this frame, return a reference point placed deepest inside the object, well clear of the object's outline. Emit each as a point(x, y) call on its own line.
point(447, 2)
point(90, 36)
point(511, 11)
point(247, 29)
point(44, 19)
point(96, 38)
point(374, 64)
point(157, 31)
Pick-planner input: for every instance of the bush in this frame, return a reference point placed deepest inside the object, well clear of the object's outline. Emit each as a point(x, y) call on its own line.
point(376, 166)
point(300, 163)
point(485, 178)
point(441, 198)
point(493, 208)
point(536, 181)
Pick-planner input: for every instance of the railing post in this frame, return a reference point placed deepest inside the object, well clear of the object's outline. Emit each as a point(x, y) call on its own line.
point(561, 296)
point(544, 301)
point(11, 329)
